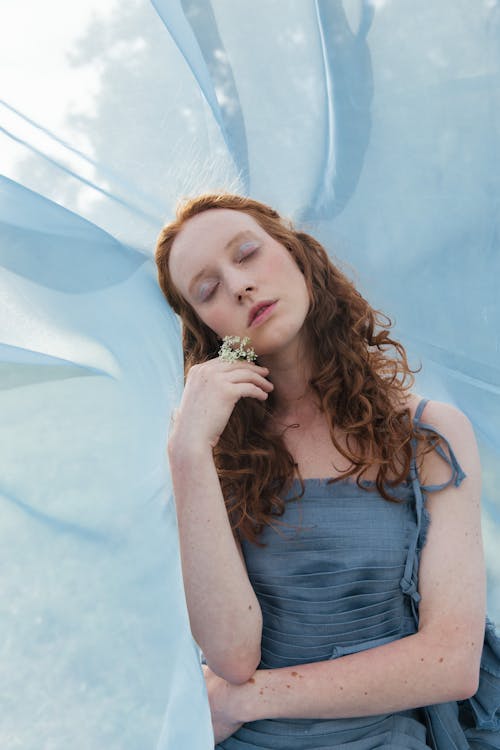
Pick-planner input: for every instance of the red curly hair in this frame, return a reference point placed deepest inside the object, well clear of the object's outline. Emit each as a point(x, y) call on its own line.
point(356, 382)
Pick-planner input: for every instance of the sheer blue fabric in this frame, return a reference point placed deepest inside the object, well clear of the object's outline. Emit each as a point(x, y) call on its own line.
point(375, 125)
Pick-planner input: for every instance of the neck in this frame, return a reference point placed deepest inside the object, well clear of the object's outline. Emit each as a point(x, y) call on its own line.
point(290, 372)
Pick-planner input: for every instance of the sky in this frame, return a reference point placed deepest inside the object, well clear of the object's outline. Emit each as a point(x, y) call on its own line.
point(37, 76)
point(108, 79)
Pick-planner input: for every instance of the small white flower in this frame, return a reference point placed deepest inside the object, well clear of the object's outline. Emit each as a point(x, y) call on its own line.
point(234, 348)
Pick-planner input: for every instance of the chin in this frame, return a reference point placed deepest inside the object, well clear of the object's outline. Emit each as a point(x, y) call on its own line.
point(271, 348)
point(277, 335)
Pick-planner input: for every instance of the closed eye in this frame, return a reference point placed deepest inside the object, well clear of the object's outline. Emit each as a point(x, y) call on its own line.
point(248, 249)
point(211, 293)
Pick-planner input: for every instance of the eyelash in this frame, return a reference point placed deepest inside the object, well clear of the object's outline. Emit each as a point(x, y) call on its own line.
point(244, 257)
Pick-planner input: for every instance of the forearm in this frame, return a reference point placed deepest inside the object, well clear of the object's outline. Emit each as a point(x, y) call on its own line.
point(406, 673)
point(224, 613)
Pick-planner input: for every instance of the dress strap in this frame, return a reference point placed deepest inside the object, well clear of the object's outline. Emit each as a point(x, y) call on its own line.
point(457, 473)
point(409, 581)
point(420, 407)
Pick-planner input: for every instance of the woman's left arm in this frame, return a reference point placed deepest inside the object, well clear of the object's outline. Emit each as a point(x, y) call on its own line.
point(437, 664)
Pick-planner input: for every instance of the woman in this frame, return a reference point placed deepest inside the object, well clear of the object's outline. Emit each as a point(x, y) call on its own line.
point(304, 484)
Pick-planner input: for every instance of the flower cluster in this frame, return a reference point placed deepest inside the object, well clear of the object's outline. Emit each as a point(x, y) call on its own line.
point(233, 348)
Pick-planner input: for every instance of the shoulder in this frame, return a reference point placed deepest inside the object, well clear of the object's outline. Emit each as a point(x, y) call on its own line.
point(458, 438)
point(444, 416)
point(437, 413)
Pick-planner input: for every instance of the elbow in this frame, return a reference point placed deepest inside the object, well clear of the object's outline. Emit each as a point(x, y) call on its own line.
point(237, 662)
point(236, 658)
point(462, 681)
point(455, 665)
point(468, 670)
point(468, 681)
point(243, 659)
point(241, 668)
point(238, 669)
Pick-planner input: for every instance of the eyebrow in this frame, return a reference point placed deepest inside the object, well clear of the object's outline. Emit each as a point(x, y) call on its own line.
point(236, 238)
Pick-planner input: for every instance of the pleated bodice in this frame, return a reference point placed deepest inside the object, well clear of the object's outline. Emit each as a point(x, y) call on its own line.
point(331, 582)
point(339, 574)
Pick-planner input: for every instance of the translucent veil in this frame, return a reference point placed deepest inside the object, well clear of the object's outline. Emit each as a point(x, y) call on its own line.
point(375, 125)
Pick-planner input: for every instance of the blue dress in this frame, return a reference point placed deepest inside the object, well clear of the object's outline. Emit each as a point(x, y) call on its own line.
point(342, 577)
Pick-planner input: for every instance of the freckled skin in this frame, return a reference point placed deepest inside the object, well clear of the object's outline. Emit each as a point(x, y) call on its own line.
point(251, 679)
point(294, 674)
point(271, 273)
point(441, 659)
point(249, 606)
point(288, 686)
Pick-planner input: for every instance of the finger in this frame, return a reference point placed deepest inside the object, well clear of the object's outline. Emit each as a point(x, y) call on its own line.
point(248, 390)
point(243, 376)
point(240, 363)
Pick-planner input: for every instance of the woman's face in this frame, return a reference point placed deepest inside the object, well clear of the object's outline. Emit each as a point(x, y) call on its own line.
point(223, 263)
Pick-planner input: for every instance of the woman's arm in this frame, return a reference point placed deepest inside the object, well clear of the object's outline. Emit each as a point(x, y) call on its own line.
point(440, 662)
point(224, 613)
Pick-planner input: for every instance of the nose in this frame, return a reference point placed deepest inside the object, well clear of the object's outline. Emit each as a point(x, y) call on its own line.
point(239, 282)
point(241, 285)
point(241, 292)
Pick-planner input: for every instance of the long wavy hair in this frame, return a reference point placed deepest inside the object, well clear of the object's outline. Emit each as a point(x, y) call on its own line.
point(360, 378)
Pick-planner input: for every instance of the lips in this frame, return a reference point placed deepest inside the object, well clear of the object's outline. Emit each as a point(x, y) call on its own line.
point(256, 309)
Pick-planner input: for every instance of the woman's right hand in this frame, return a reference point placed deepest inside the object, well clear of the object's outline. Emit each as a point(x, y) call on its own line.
point(210, 394)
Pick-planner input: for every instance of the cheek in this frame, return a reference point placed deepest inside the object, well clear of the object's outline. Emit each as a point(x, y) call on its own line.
point(216, 320)
point(284, 267)
point(278, 266)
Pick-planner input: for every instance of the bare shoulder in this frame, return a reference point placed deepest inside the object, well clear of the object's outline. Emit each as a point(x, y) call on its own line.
point(436, 413)
point(444, 416)
point(456, 429)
